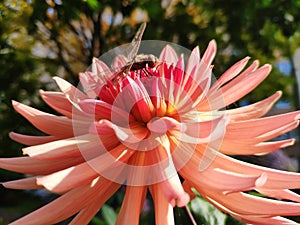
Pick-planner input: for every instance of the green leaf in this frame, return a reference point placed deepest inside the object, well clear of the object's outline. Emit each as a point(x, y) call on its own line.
point(109, 215)
point(206, 213)
point(97, 221)
point(93, 4)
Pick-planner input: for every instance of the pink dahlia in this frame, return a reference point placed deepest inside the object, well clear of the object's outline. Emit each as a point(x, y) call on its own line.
point(158, 126)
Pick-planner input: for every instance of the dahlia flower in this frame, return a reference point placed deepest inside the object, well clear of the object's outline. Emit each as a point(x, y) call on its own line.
point(161, 128)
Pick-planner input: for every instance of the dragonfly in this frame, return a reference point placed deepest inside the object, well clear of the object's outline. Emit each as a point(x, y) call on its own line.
point(129, 59)
point(134, 61)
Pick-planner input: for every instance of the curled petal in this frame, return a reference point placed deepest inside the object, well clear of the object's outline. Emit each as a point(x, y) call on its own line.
point(164, 124)
point(188, 189)
point(174, 191)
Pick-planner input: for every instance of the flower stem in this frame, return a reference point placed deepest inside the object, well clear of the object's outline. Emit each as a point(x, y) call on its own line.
point(189, 215)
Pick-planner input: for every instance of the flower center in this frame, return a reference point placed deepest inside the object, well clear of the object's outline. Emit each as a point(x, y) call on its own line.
point(144, 95)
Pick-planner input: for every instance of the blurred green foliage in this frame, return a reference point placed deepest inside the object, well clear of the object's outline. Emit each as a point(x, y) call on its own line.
point(40, 39)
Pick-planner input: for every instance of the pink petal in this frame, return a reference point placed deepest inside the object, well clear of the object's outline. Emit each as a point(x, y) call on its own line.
point(164, 124)
point(255, 110)
point(102, 110)
point(28, 165)
point(201, 90)
point(31, 140)
point(210, 52)
point(276, 220)
point(221, 180)
point(216, 99)
point(193, 62)
point(195, 89)
point(163, 209)
point(201, 77)
point(23, 184)
point(84, 173)
point(69, 90)
point(231, 73)
point(135, 134)
point(168, 55)
point(151, 166)
point(137, 99)
point(250, 148)
point(188, 189)
point(91, 83)
point(178, 72)
point(87, 214)
point(265, 129)
point(247, 204)
point(255, 220)
point(198, 80)
point(99, 76)
point(100, 68)
point(119, 62)
point(57, 126)
point(157, 98)
point(207, 174)
point(242, 85)
point(132, 205)
point(66, 148)
point(276, 179)
point(202, 131)
point(262, 126)
point(60, 103)
point(174, 192)
point(70, 203)
point(280, 194)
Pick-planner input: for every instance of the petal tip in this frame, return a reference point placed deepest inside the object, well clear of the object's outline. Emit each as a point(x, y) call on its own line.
point(261, 180)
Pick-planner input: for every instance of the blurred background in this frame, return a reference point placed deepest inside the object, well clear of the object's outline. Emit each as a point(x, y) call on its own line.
point(45, 38)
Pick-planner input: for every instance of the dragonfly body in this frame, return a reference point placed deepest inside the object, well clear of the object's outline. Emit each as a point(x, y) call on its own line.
point(135, 61)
